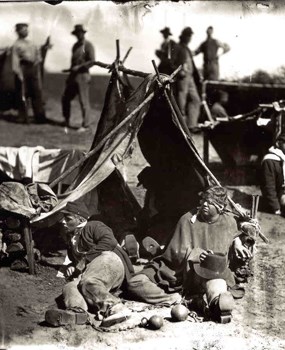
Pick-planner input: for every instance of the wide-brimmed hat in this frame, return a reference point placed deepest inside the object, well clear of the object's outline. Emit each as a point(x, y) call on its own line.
point(19, 26)
point(166, 30)
point(186, 32)
point(213, 266)
point(78, 208)
point(78, 28)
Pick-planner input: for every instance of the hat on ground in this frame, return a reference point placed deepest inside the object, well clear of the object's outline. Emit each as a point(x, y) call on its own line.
point(214, 266)
point(166, 31)
point(186, 32)
point(19, 26)
point(78, 28)
point(77, 208)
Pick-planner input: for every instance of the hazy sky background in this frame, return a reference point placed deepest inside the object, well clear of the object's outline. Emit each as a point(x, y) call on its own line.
point(254, 32)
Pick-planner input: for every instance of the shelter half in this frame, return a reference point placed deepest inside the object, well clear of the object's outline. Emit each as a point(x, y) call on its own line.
point(147, 117)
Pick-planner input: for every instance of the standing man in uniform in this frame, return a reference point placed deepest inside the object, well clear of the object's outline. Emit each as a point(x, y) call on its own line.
point(78, 81)
point(27, 61)
point(188, 80)
point(166, 52)
point(209, 48)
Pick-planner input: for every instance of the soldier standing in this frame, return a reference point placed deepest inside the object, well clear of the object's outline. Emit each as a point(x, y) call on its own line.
point(188, 79)
point(166, 52)
point(27, 61)
point(209, 48)
point(78, 81)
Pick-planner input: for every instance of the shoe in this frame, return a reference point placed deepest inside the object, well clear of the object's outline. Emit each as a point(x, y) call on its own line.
point(58, 317)
point(221, 308)
point(151, 246)
point(132, 247)
point(119, 313)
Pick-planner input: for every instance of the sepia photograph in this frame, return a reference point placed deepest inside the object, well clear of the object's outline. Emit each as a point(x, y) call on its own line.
point(142, 175)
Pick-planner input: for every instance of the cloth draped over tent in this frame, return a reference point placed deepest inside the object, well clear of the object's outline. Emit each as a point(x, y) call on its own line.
point(103, 163)
point(178, 176)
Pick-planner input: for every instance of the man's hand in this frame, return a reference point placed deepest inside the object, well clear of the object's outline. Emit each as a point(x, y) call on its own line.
point(69, 271)
point(204, 254)
point(240, 250)
point(75, 68)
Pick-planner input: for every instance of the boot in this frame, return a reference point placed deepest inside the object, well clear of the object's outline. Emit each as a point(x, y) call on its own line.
point(221, 308)
point(58, 317)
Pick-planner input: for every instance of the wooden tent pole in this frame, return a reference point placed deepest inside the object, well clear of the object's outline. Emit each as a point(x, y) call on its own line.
point(101, 143)
point(265, 239)
point(121, 68)
point(127, 55)
point(106, 138)
point(118, 49)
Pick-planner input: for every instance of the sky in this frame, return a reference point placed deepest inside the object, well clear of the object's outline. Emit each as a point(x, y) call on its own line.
point(253, 31)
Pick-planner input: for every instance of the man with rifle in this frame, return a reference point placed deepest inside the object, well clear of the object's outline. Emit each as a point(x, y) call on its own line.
point(78, 81)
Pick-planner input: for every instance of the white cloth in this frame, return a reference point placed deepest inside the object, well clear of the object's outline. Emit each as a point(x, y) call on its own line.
point(18, 163)
point(37, 163)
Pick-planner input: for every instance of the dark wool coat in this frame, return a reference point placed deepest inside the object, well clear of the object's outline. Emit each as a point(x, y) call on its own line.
point(91, 241)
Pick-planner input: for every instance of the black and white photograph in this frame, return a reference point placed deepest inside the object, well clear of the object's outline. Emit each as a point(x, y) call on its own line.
point(142, 175)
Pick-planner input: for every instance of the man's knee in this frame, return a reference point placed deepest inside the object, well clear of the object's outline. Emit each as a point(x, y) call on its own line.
point(137, 281)
point(214, 288)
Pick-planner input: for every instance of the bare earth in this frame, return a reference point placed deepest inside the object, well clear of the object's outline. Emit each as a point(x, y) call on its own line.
point(258, 319)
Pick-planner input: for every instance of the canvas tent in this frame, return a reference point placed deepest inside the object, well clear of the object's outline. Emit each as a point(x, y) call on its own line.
point(178, 172)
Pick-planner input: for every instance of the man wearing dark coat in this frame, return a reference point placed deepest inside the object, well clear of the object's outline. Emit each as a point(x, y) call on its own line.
point(97, 267)
point(273, 177)
point(78, 81)
point(168, 277)
point(166, 53)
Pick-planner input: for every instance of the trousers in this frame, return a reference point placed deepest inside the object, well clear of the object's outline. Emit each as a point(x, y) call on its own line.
point(188, 100)
point(143, 289)
point(30, 88)
point(92, 289)
point(78, 84)
point(211, 70)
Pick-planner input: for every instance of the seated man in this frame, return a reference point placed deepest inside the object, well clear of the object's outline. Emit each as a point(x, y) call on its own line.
point(98, 267)
point(218, 109)
point(197, 234)
point(272, 177)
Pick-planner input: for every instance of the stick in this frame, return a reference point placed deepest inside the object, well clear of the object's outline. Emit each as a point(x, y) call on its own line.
point(127, 55)
point(118, 49)
point(188, 137)
point(101, 143)
point(133, 72)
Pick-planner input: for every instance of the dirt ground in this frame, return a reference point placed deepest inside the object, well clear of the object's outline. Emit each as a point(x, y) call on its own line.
point(258, 319)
